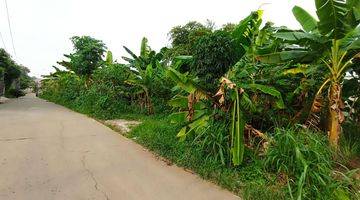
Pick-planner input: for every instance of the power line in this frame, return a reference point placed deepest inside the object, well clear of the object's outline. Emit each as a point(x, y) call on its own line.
point(11, 35)
point(2, 39)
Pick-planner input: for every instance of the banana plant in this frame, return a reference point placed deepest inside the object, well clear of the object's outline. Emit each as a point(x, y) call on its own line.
point(332, 41)
point(192, 110)
point(145, 68)
point(196, 114)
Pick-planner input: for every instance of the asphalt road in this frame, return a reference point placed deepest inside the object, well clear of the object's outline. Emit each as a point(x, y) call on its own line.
point(49, 152)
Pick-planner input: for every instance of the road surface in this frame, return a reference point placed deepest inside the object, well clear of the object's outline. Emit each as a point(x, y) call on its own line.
point(49, 152)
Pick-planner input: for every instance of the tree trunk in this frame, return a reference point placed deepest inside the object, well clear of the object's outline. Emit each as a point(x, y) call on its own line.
point(336, 114)
point(191, 102)
point(2, 86)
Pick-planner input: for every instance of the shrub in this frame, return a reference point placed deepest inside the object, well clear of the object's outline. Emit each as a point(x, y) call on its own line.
point(14, 93)
point(214, 54)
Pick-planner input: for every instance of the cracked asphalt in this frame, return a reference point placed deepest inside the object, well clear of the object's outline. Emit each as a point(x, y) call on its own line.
point(49, 152)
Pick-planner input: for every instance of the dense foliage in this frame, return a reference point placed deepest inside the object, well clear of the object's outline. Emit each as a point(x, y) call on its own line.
point(214, 54)
point(13, 77)
point(87, 55)
point(224, 100)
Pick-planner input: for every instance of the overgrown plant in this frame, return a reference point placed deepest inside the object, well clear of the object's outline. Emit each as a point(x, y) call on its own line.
point(304, 163)
point(333, 41)
point(148, 73)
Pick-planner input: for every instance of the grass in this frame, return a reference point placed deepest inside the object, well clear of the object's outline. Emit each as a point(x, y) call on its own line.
point(157, 134)
point(254, 179)
point(249, 181)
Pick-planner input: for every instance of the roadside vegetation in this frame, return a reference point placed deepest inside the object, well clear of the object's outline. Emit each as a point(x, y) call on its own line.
point(14, 78)
point(264, 111)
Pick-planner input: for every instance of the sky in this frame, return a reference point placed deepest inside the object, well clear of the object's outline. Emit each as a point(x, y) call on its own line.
point(42, 28)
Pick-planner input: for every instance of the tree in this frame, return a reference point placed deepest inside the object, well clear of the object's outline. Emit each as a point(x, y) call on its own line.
point(332, 42)
point(201, 105)
point(213, 55)
point(11, 71)
point(183, 37)
point(147, 74)
point(87, 56)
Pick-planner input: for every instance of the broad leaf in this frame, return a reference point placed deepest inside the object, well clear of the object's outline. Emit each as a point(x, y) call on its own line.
point(298, 70)
point(182, 133)
point(237, 132)
point(244, 31)
point(332, 18)
point(351, 40)
point(130, 52)
point(109, 58)
point(181, 80)
point(184, 58)
point(301, 56)
point(144, 49)
point(179, 117)
point(307, 21)
point(296, 36)
point(354, 12)
point(149, 71)
point(270, 91)
point(179, 102)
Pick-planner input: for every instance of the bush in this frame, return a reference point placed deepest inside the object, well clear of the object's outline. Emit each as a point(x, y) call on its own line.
point(13, 93)
point(105, 97)
point(214, 142)
point(214, 54)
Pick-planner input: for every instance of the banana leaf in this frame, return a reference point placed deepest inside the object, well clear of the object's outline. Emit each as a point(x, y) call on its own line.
point(307, 21)
point(332, 18)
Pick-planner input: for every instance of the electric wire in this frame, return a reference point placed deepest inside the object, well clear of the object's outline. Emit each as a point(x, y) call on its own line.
point(2, 39)
point(11, 33)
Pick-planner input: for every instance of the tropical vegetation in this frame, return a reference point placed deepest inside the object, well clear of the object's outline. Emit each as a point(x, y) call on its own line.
point(14, 78)
point(267, 112)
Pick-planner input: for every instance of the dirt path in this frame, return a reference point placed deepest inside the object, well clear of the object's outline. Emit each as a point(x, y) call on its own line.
point(49, 152)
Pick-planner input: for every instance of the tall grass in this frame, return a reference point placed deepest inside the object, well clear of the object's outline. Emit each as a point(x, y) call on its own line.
point(305, 162)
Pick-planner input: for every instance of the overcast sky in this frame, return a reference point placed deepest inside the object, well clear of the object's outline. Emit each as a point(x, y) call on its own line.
point(42, 28)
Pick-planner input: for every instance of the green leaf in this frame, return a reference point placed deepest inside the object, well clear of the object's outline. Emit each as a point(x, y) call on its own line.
point(351, 40)
point(149, 71)
point(178, 117)
point(295, 36)
point(238, 146)
point(109, 58)
point(301, 56)
point(270, 91)
point(332, 18)
point(353, 15)
point(184, 58)
point(307, 21)
point(244, 31)
point(297, 70)
point(179, 102)
point(247, 103)
point(181, 80)
point(182, 133)
point(354, 45)
point(196, 126)
point(199, 113)
point(144, 49)
point(130, 52)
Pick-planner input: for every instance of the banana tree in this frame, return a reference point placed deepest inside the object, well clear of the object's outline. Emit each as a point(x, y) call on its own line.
point(146, 68)
point(196, 115)
point(332, 41)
